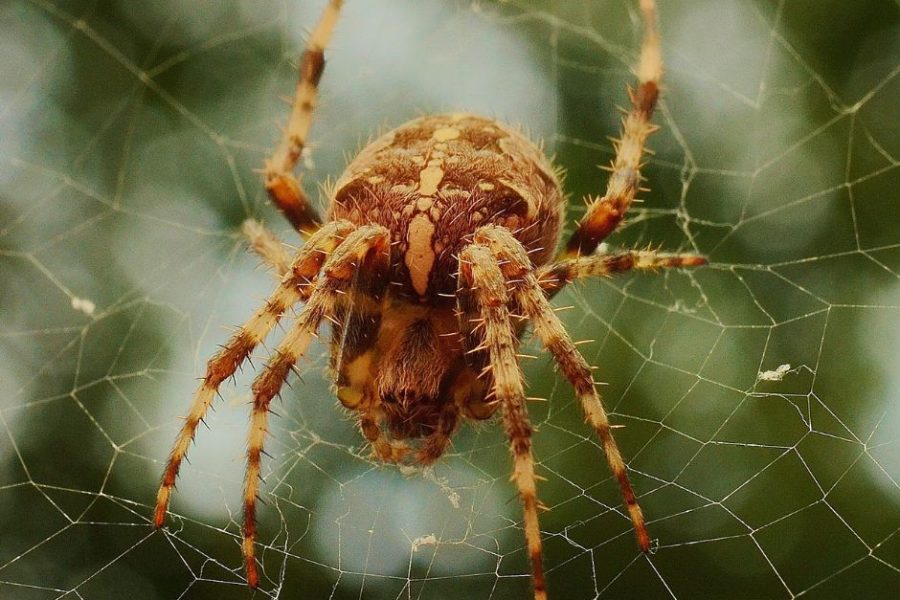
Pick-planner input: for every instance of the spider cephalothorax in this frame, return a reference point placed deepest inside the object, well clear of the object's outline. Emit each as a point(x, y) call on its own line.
point(437, 248)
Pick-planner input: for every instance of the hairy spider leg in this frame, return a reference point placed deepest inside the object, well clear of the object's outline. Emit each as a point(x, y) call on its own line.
point(358, 316)
point(385, 449)
point(267, 246)
point(436, 443)
point(294, 287)
point(366, 248)
point(554, 277)
point(481, 272)
point(605, 214)
point(528, 294)
point(283, 187)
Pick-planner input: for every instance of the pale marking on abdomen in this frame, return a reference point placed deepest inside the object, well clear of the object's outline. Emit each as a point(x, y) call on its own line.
point(419, 257)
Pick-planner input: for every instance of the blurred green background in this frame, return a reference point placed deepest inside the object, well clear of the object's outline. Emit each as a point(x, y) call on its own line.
point(759, 395)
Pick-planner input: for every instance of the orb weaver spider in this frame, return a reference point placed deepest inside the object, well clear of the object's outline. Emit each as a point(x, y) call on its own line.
point(438, 246)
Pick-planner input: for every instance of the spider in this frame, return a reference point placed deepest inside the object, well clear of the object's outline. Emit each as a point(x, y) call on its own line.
point(438, 247)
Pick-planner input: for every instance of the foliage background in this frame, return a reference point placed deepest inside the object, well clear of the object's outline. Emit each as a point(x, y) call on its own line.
point(129, 135)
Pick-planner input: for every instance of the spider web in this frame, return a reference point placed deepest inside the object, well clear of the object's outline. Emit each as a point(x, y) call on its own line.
point(759, 395)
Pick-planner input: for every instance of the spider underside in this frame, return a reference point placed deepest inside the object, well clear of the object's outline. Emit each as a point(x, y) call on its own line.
point(438, 246)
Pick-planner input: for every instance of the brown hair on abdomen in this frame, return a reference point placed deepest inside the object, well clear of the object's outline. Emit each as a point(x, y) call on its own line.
point(435, 180)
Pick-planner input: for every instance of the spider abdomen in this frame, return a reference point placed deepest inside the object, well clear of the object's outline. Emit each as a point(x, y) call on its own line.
point(434, 180)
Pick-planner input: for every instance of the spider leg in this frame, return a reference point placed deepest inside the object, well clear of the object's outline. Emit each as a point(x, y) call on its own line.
point(389, 450)
point(386, 449)
point(604, 214)
point(530, 297)
point(481, 272)
point(355, 332)
point(283, 187)
point(267, 246)
point(294, 287)
point(554, 277)
point(434, 446)
point(362, 249)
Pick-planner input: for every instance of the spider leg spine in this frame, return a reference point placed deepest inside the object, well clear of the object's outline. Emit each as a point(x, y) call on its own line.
point(552, 333)
point(482, 272)
point(224, 363)
point(555, 276)
point(285, 189)
point(267, 246)
point(604, 215)
point(367, 242)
